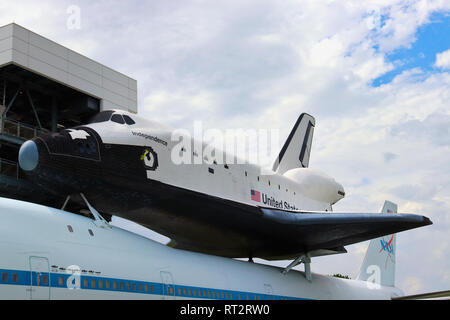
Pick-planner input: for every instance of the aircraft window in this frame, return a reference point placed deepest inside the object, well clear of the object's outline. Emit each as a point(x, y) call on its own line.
point(170, 290)
point(211, 170)
point(128, 120)
point(117, 118)
point(70, 228)
point(60, 281)
point(93, 283)
point(107, 284)
point(128, 286)
point(86, 283)
point(4, 277)
point(194, 292)
point(44, 279)
point(226, 166)
point(152, 288)
point(14, 277)
point(239, 296)
point(91, 232)
point(114, 285)
point(121, 286)
point(146, 287)
point(101, 117)
point(184, 291)
point(189, 292)
point(140, 287)
point(245, 173)
point(100, 284)
point(134, 286)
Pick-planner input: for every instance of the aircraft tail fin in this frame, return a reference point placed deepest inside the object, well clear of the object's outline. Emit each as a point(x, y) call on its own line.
point(297, 148)
point(379, 263)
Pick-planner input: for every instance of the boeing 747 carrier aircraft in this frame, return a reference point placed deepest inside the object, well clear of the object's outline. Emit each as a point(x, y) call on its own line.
point(123, 164)
point(53, 254)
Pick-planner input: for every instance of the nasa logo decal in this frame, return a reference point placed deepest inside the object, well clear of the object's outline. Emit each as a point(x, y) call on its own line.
point(150, 159)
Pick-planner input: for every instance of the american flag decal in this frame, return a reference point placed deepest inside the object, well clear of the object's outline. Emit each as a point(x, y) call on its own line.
point(255, 195)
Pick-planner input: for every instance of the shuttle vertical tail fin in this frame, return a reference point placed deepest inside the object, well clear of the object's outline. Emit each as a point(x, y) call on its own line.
point(379, 263)
point(297, 148)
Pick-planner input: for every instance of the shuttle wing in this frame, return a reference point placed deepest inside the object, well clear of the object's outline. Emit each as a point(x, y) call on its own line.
point(328, 230)
point(275, 234)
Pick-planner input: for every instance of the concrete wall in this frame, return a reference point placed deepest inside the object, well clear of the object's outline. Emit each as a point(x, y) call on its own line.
point(47, 58)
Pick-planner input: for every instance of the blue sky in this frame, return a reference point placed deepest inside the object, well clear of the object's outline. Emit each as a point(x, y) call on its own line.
point(375, 75)
point(431, 39)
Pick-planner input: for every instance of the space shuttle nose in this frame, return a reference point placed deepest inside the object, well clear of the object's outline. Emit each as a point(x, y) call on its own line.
point(28, 156)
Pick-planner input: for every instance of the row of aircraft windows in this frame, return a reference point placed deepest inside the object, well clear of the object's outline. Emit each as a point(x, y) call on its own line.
point(41, 280)
point(108, 284)
point(139, 287)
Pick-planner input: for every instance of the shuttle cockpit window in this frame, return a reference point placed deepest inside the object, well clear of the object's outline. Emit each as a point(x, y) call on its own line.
point(128, 120)
point(101, 117)
point(117, 118)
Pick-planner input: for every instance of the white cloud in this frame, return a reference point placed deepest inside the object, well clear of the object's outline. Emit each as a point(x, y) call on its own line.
point(443, 60)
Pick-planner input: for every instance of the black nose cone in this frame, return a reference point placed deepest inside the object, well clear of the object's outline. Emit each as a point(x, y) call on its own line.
point(28, 156)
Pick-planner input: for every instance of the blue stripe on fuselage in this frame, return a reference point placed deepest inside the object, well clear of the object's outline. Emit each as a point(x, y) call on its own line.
point(59, 280)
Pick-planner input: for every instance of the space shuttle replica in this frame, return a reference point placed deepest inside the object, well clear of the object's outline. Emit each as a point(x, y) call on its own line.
point(122, 165)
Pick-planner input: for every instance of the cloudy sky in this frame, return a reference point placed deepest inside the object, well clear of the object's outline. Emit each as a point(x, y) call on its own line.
point(374, 74)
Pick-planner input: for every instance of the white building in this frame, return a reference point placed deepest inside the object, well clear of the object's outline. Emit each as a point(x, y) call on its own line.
point(34, 53)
